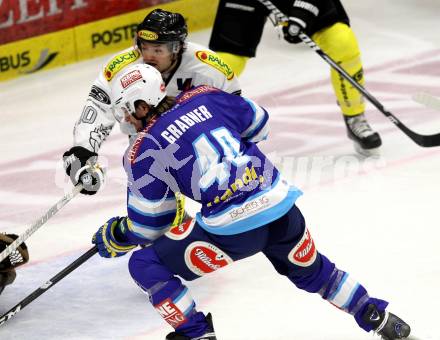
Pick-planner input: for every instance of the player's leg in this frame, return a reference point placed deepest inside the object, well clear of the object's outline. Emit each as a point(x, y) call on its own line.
point(333, 34)
point(15, 259)
point(237, 31)
point(293, 253)
point(190, 252)
point(339, 42)
point(169, 296)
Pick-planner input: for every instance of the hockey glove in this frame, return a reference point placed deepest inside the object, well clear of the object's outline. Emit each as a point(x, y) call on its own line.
point(301, 17)
point(81, 166)
point(15, 259)
point(106, 240)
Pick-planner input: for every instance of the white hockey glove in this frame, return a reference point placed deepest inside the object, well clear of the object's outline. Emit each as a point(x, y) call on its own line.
point(82, 167)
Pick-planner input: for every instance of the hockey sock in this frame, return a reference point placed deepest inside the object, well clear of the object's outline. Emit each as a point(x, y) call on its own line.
point(344, 292)
point(166, 292)
point(339, 42)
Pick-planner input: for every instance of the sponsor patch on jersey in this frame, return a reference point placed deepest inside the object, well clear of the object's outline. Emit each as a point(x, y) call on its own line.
point(119, 62)
point(203, 258)
point(304, 253)
point(250, 208)
point(215, 61)
point(147, 35)
point(130, 78)
point(170, 313)
point(248, 181)
point(179, 232)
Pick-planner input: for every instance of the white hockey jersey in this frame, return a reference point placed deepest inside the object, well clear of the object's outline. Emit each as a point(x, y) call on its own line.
point(198, 66)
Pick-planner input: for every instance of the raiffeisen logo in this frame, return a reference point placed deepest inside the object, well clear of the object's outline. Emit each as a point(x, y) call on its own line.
point(22, 60)
point(215, 61)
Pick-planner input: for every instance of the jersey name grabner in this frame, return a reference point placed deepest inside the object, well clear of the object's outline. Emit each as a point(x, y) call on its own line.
point(198, 66)
point(205, 147)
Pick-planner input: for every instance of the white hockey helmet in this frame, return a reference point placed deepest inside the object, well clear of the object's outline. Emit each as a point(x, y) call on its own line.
point(136, 82)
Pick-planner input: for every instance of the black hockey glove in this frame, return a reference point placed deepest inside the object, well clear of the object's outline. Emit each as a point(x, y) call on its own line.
point(81, 166)
point(301, 16)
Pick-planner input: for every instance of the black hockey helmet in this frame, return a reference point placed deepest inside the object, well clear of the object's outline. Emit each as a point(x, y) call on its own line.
point(162, 26)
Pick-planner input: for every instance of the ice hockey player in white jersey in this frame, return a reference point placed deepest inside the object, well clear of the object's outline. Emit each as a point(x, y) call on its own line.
point(160, 42)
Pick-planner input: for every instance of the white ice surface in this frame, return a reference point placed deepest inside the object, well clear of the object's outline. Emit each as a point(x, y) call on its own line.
point(377, 219)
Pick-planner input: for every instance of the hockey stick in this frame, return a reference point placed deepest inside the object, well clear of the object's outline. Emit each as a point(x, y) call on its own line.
point(36, 293)
point(422, 140)
point(428, 100)
point(38, 223)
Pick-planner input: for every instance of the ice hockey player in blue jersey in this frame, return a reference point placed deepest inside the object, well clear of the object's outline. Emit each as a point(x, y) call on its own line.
point(203, 144)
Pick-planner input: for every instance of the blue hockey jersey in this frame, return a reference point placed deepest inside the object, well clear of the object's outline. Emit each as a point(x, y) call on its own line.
point(205, 148)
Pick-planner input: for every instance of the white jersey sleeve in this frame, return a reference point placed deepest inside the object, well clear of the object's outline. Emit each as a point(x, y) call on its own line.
point(201, 66)
point(97, 118)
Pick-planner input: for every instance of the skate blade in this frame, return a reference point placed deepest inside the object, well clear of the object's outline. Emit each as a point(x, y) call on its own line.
point(366, 152)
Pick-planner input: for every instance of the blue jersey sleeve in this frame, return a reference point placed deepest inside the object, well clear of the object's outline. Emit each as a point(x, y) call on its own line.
point(151, 204)
point(258, 129)
point(243, 115)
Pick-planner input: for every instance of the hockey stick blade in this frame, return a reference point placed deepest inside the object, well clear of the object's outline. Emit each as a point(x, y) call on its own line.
point(47, 285)
point(427, 100)
point(39, 222)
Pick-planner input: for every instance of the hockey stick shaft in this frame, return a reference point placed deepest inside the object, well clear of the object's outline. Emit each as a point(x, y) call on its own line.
point(422, 140)
point(48, 284)
point(39, 222)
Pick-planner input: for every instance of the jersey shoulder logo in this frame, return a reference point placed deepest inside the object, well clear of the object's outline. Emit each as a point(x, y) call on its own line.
point(119, 62)
point(215, 61)
point(100, 95)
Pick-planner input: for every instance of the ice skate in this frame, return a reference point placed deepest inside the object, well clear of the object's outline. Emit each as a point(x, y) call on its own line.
point(209, 335)
point(387, 325)
point(366, 141)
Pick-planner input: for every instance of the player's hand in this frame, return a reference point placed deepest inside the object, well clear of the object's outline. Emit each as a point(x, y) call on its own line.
point(300, 18)
point(105, 240)
point(81, 166)
point(291, 31)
